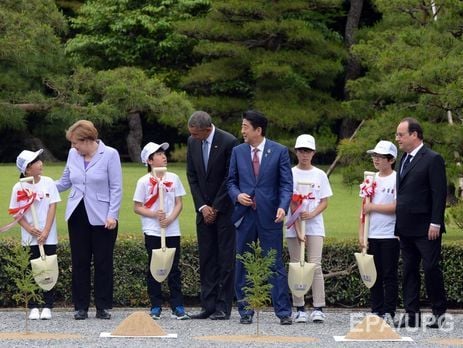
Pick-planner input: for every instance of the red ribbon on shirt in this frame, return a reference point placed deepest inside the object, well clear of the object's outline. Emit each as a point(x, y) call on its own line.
point(154, 191)
point(299, 199)
point(21, 195)
point(367, 190)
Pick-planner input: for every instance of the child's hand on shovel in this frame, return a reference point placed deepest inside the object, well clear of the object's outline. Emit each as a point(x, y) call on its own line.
point(159, 214)
point(299, 233)
point(42, 238)
point(35, 231)
point(165, 222)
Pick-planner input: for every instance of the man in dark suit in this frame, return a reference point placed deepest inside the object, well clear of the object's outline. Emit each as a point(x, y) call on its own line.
point(260, 184)
point(421, 199)
point(208, 157)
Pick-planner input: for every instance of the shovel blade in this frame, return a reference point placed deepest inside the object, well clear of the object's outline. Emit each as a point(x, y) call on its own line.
point(300, 277)
point(45, 271)
point(367, 269)
point(161, 263)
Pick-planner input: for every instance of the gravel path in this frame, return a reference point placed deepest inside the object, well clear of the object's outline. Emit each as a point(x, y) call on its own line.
point(338, 323)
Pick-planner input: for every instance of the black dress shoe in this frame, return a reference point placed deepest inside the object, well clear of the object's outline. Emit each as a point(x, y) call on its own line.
point(201, 315)
point(219, 315)
point(437, 322)
point(102, 314)
point(80, 314)
point(246, 319)
point(286, 321)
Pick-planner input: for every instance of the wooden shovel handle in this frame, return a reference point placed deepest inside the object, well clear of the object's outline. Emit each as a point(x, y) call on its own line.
point(302, 248)
point(36, 225)
point(366, 227)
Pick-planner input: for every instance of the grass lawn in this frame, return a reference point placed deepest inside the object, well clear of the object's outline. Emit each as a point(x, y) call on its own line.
point(341, 216)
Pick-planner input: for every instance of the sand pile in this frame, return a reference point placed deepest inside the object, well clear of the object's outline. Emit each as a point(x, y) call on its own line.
point(372, 327)
point(138, 324)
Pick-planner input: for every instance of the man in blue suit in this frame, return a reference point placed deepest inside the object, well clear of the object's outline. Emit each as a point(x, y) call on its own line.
point(260, 184)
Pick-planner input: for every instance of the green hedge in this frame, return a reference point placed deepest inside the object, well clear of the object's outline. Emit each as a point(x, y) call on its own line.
point(342, 285)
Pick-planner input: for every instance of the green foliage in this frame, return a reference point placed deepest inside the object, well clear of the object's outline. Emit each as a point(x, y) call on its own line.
point(109, 95)
point(456, 214)
point(30, 53)
point(114, 33)
point(343, 285)
point(258, 272)
point(19, 271)
point(413, 62)
point(278, 57)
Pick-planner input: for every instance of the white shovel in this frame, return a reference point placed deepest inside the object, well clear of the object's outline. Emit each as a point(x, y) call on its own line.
point(365, 262)
point(45, 268)
point(301, 273)
point(161, 259)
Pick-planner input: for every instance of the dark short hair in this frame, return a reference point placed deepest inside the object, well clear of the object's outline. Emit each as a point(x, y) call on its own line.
point(414, 126)
point(200, 119)
point(30, 163)
point(256, 119)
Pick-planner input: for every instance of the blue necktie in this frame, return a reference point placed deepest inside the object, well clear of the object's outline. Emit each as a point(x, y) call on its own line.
point(205, 153)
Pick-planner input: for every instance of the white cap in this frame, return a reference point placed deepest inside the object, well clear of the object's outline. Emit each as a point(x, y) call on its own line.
point(151, 148)
point(384, 147)
point(305, 141)
point(26, 157)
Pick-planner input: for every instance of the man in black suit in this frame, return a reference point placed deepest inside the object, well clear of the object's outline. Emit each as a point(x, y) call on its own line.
point(208, 158)
point(421, 199)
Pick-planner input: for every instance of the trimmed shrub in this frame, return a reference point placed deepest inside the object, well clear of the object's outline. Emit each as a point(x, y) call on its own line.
point(343, 286)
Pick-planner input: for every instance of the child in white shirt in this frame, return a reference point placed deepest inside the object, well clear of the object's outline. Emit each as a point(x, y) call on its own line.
point(43, 194)
point(382, 243)
point(153, 219)
point(314, 204)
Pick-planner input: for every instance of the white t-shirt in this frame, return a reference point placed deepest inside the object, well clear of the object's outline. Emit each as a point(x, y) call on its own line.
point(320, 189)
point(382, 225)
point(173, 188)
point(47, 194)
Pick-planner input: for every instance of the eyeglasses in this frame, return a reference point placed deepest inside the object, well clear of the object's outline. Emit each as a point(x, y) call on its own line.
point(400, 135)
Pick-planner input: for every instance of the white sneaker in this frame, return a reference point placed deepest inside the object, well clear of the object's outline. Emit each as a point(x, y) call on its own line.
point(46, 314)
point(317, 316)
point(34, 314)
point(301, 317)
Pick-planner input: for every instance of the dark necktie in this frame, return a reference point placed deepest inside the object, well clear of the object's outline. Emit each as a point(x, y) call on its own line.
point(406, 163)
point(205, 153)
point(255, 162)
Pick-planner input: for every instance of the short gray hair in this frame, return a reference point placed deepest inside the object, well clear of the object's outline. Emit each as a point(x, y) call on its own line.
point(200, 119)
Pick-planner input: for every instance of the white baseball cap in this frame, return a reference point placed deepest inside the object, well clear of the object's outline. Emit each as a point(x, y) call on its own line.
point(305, 141)
point(151, 148)
point(384, 147)
point(26, 157)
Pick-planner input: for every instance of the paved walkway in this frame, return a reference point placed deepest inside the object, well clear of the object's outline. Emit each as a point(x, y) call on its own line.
point(338, 323)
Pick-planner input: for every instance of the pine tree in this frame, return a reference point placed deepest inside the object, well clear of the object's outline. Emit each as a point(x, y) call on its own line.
point(278, 57)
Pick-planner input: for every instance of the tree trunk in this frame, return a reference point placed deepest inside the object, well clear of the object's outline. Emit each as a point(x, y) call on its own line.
point(135, 136)
point(338, 157)
point(353, 67)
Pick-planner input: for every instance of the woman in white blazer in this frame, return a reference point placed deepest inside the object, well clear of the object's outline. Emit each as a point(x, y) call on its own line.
point(93, 172)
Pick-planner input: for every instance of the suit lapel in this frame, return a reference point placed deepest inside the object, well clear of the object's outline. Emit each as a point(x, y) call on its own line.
point(98, 155)
point(266, 157)
point(213, 151)
point(419, 155)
